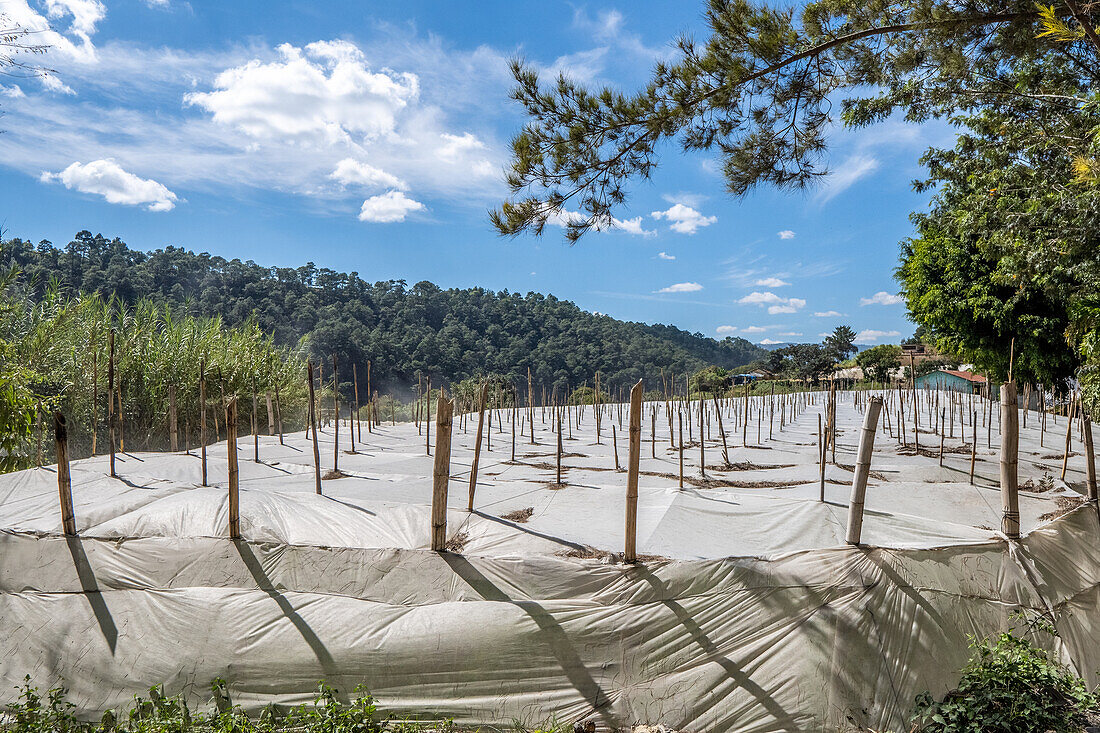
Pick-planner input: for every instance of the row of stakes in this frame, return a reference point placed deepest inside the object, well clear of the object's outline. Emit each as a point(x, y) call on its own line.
point(1010, 521)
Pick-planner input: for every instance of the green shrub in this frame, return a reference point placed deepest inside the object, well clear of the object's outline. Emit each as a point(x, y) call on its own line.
point(1010, 685)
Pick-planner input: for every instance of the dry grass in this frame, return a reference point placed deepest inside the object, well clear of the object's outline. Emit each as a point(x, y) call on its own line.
point(457, 542)
point(1065, 504)
point(519, 516)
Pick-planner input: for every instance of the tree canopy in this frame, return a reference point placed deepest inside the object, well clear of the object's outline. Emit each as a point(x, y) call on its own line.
point(450, 334)
point(760, 93)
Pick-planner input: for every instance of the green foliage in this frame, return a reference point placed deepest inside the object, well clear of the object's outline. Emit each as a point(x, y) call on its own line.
point(711, 380)
point(587, 396)
point(1009, 250)
point(1010, 685)
point(879, 361)
point(760, 89)
point(450, 335)
point(840, 343)
point(56, 352)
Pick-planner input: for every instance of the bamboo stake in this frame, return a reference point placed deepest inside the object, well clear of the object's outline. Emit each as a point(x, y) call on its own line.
point(95, 392)
point(279, 413)
point(974, 445)
point(1090, 458)
point(64, 482)
point(680, 421)
point(335, 418)
point(255, 426)
point(202, 418)
point(1070, 411)
point(863, 470)
point(722, 432)
point(234, 474)
point(270, 415)
point(477, 442)
point(635, 441)
point(354, 414)
point(441, 473)
point(427, 422)
point(615, 443)
point(558, 475)
point(111, 394)
point(312, 425)
point(1010, 436)
point(821, 448)
point(702, 452)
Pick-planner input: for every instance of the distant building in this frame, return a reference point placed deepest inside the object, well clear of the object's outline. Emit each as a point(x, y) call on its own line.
point(952, 379)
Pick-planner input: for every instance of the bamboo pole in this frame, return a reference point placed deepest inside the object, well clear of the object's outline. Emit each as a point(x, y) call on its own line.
point(702, 451)
point(515, 407)
point(441, 473)
point(1090, 458)
point(477, 442)
point(353, 415)
point(680, 421)
point(974, 444)
point(615, 444)
point(635, 442)
point(202, 418)
point(312, 425)
point(270, 414)
point(95, 392)
point(559, 452)
point(863, 470)
point(335, 418)
point(427, 422)
point(279, 413)
point(255, 425)
point(1070, 411)
point(173, 435)
point(234, 473)
point(1010, 436)
point(64, 481)
point(111, 394)
point(821, 449)
point(722, 432)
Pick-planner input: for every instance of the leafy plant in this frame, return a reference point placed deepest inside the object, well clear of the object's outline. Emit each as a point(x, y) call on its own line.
point(1009, 684)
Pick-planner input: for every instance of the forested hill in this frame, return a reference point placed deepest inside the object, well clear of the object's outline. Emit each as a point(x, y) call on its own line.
point(450, 334)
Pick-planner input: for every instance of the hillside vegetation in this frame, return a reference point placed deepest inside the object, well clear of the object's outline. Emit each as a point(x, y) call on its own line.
point(450, 334)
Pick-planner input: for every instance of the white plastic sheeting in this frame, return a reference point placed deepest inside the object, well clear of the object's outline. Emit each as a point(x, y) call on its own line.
point(751, 615)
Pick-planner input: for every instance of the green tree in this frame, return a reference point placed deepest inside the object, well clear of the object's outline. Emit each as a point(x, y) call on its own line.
point(879, 361)
point(840, 344)
point(760, 90)
point(710, 380)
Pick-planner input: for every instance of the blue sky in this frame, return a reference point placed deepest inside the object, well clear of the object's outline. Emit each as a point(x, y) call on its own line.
point(371, 137)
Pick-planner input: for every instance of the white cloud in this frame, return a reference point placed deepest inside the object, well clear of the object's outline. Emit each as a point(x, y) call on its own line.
point(775, 303)
point(846, 174)
point(688, 287)
point(793, 305)
point(786, 234)
point(633, 226)
point(827, 314)
point(350, 171)
point(757, 298)
point(66, 29)
point(769, 342)
point(684, 219)
point(322, 94)
point(387, 208)
point(869, 336)
point(107, 179)
point(882, 298)
point(754, 329)
point(12, 92)
point(665, 256)
point(789, 333)
point(726, 329)
point(771, 282)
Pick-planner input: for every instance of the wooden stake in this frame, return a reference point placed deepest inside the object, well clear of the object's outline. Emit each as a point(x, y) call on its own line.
point(863, 470)
point(680, 421)
point(559, 411)
point(111, 393)
point(615, 443)
point(441, 473)
point(1010, 436)
point(477, 442)
point(202, 418)
point(234, 474)
point(974, 445)
point(355, 393)
point(270, 415)
point(255, 426)
point(1090, 459)
point(635, 441)
point(335, 418)
point(173, 436)
point(821, 449)
point(1069, 435)
point(279, 413)
point(312, 425)
point(64, 482)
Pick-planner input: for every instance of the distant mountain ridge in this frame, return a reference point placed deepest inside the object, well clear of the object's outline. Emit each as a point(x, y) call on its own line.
point(451, 334)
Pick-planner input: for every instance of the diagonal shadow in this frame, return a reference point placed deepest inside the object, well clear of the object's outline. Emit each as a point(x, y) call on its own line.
point(552, 632)
point(533, 533)
point(90, 588)
point(263, 582)
point(784, 720)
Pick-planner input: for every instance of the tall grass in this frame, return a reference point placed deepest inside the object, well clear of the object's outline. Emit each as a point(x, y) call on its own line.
point(56, 351)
